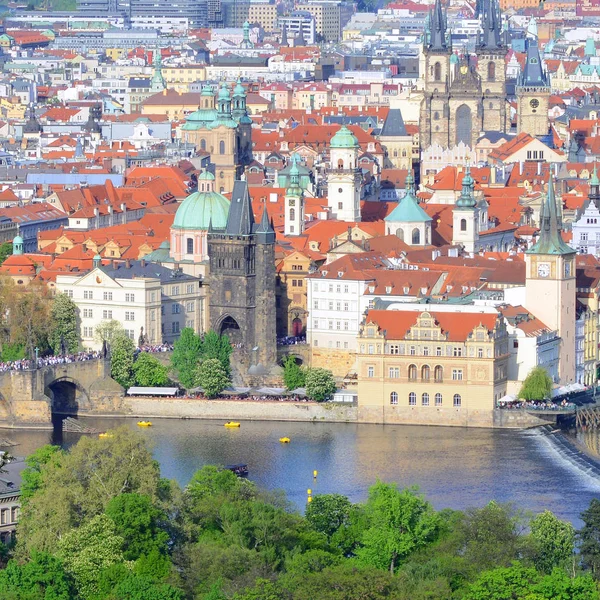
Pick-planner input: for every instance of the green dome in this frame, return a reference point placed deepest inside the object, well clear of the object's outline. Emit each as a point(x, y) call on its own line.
point(344, 138)
point(17, 239)
point(206, 176)
point(239, 90)
point(224, 93)
point(207, 90)
point(200, 209)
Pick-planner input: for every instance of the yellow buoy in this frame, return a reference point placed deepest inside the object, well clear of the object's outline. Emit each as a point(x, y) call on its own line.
point(232, 424)
point(285, 440)
point(309, 499)
point(315, 473)
point(104, 434)
point(144, 423)
point(309, 491)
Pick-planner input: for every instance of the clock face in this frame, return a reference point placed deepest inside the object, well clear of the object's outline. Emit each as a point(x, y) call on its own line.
point(534, 103)
point(567, 269)
point(543, 269)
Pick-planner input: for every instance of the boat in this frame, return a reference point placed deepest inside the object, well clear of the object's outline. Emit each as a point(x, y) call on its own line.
point(105, 434)
point(240, 470)
point(144, 423)
point(285, 440)
point(232, 424)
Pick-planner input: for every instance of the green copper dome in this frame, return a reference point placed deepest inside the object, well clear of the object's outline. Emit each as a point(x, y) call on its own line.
point(206, 176)
point(199, 117)
point(207, 90)
point(344, 138)
point(239, 90)
point(224, 93)
point(594, 178)
point(200, 209)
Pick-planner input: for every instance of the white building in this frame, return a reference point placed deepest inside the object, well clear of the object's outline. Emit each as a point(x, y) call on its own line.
point(586, 230)
point(145, 298)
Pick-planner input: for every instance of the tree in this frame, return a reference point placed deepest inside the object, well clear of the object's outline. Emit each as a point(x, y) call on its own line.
point(149, 371)
point(589, 538)
point(328, 512)
point(320, 384)
point(31, 477)
point(121, 360)
point(554, 541)
point(399, 522)
point(293, 375)
point(107, 331)
point(212, 377)
point(187, 351)
point(6, 250)
point(12, 352)
point(64, 325)
point(219, 347)
point(537, 385)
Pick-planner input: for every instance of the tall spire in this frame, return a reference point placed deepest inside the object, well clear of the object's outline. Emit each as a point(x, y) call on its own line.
point(467, 198)
point(437, 28)
point(265, 234)
point(158, 83)
point(284, 38)
point(491, 24)
point(550, 240)
point(533, 74)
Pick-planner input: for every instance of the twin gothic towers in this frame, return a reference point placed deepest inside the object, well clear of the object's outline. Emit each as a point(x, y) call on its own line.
point(465, 96)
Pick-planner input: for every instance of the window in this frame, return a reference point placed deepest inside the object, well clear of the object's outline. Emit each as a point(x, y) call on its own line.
point(175, 290)
point(88, 295)
point(153, 297)
point(412, 372)
point(338, 325)
point(129, 316)
point(346, 325)
point(346, 307)
point(370, 371)
point(438, 374)
point(189, 307)
point(130, 333)
point(463, 224)
point(425, 399)
point(315, 323)
point(457, 351)
point(69, 293)
point(346, 289)
point(87, 313)
point(107, 314)
point(190, 245)
point(457, 374)
point(331, 306)
point(330, 325)
point(129, 297)
point(190, 288)
point(292, 214)
point(394, 398)
point(438, 399)
point(479, 352)
point(4, 516)
point(456, 400)
point(412, 399)
point(175, 309)
point(425, 373)
point(426, 351)
point(221, 147)
point(583, 236)
point(371, 349)
point(438, 351)
point(175, 327)
point(394, 349)
point(437, 72)
point(394, 372)
point(107, 295)
point(491, 71)
point(413, 350)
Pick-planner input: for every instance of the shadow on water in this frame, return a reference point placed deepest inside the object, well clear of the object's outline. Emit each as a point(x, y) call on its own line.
point(63, 395)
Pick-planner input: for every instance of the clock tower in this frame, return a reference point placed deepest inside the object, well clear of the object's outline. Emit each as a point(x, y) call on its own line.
point(550, 283)
point(533, 94)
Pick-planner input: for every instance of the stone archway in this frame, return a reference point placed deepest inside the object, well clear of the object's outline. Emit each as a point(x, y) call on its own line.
point(67, 397)
point(230, 327)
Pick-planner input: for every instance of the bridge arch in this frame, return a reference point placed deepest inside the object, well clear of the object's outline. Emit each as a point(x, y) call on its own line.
point(67, 397)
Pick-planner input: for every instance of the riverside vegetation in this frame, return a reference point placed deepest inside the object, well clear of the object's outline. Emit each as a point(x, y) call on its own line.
point(99, 523)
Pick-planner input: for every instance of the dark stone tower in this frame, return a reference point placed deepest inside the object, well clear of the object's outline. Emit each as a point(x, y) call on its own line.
point(242, 282)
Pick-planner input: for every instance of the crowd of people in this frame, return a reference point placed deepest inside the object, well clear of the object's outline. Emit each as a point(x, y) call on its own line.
point(537, 405)
point(44, 361)
point(153, 349)
point(290, 340)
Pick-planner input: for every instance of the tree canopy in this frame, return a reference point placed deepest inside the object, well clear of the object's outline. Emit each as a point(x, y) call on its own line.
point(320, 384)
point(537, 385)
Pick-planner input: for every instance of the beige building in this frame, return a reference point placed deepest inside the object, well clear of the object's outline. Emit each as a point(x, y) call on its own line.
point(179, 78)
point(327, 18)
point(431, 366)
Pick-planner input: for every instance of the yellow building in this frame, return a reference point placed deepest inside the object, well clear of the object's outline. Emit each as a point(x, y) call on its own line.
point(174, 105)
point(416, 365)
point(179, 78)
point(292, 310)
point(11, 108)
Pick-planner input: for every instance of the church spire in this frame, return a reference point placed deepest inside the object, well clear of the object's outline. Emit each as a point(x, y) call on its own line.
point(550, 240)
point(533, 74)
point(467, 198)
point(491, 38)
point(437, 28)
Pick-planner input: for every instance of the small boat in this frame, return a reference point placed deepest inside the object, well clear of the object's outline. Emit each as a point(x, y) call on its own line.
point(105, 434)
point(240, 470)
point(285, 440)
point(144, 423)
point(232, 424)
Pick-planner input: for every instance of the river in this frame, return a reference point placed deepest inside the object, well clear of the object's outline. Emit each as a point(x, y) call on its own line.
point(454, 467)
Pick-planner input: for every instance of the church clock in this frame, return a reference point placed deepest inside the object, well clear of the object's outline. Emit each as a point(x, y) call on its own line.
point(543, 269)
point(534, 103)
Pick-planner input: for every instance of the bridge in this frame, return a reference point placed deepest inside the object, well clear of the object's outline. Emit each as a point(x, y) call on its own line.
point(31, 398)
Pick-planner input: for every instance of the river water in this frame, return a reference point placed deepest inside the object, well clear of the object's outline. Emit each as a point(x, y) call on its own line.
point(454, 467)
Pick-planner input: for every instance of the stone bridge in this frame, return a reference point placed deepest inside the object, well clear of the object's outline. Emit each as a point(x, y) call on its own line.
point(32, 398)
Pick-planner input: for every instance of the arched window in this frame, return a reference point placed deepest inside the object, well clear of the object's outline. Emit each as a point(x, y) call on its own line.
point(412, 372)
point(221, 147)
point(437, 72)
point(436, 116)
point(457, 400)
point(425, 373)
point(491, 105)
point(425, 399)
point(416, 236)
point(438, 399)
point(463, 224)
point(340, 163)
point(292, 214)
point(438, 374)
point(202, 144)
point(394, 398)
point(464, 125)
point(190, 245)
point(491, 69)
point(412, 399)
point(400, 233)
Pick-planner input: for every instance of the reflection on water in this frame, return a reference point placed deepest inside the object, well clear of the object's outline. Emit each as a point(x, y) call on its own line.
point(454, 467)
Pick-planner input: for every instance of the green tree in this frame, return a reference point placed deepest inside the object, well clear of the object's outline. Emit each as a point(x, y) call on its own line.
point(107, 331)
point(79, 485)
point(293, 375)
point(42, 577)
point(219, 347)
point(320, 384)
point(88, 550)
point(6, 250)
point(12, 352)
point(149, 371)
point(399, 522)
point(31, 477)
point(187, 351)
point(64, 324)
point(137, 587)
point(537, 385)
point(553, 540)
point(589, 538)
point(122, 351)
point(212, 377)
point(328, 512)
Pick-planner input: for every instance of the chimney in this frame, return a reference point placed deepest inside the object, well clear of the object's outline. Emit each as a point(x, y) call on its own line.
point(112, 264)
point(142, 263)
point(127, 264)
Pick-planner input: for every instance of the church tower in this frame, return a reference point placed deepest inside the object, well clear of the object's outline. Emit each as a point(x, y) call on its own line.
point(594, 194)
point(241, 281)
point(533, 94)
point(550, 282)
point(465, 216)
point(491, 55)
point(294, 204)
point(344, 179)
point(157, 83)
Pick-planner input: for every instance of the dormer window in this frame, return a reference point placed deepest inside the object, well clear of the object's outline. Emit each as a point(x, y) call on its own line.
point(388, 289)
point(324, 274)
point(371, 289)
point(340, 273)
point(406, 290)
